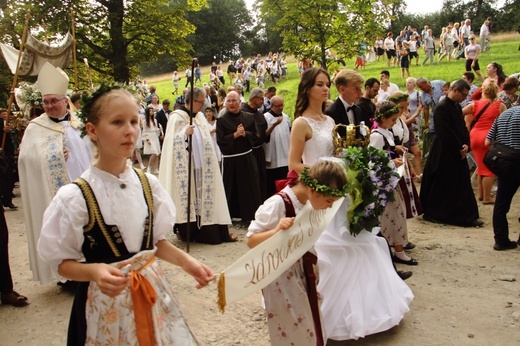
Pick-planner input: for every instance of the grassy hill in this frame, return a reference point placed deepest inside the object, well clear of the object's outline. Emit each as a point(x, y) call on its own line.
point(505, 53)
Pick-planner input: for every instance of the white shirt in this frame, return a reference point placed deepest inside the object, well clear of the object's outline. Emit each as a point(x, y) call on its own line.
point(62, 231)
point(277, 150)
point(484, 30)
point(389, 44)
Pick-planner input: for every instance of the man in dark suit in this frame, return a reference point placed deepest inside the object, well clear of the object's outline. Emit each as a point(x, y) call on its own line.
point(368, 108)
point(344, 110)
point(162, 118)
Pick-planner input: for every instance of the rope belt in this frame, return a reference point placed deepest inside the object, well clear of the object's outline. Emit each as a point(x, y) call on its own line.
point(239, 154)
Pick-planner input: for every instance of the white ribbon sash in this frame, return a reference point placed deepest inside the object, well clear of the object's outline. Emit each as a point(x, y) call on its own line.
point(264, 263)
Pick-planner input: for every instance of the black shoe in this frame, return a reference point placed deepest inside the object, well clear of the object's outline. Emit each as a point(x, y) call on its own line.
point(430, 219)
point(10, 205)
point(476, 223)
point(69, 286)
point(409, 246)
point(505, 246)
point(404, 275)
point(410, 262)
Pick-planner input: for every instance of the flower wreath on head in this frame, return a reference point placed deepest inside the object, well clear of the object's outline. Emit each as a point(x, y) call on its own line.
point(87, 101)
point(388, 112)
point(397, 99)
point(321, 188)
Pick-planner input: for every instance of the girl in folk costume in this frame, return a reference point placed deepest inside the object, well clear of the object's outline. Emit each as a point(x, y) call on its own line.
point(293, 315)
point(151, 131)
point(393, 220)
point(105, 231)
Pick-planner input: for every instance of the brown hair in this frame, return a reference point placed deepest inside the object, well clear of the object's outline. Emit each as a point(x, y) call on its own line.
point(307, 81)
point(510, 83)
point(328, 173)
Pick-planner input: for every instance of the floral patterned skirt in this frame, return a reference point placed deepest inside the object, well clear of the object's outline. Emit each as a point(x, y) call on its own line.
point(110, 321)
point(289, 316)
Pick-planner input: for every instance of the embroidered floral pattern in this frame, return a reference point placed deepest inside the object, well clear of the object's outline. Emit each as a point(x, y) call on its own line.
point(56, 167)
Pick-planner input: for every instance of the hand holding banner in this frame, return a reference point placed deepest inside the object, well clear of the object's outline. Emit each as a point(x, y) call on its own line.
point(263, 264)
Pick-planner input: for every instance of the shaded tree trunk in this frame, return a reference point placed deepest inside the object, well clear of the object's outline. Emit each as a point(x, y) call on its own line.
point(121, 70)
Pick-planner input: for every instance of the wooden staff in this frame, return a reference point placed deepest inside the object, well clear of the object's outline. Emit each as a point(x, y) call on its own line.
point(73, 29)
point(193, 64)
point(15, 78)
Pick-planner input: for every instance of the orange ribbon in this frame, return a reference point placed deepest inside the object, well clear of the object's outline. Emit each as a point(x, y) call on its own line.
point(143, 297)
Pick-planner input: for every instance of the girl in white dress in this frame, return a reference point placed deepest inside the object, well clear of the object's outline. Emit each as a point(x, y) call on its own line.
point(289, 302)
point(361, 291)
point(105, 231)
point(393, 220)
point(152, 146)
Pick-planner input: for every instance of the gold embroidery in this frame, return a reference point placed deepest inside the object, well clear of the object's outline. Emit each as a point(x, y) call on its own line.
point(95, 215)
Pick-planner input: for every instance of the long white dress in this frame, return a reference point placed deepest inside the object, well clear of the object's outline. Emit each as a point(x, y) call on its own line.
point(150, 137)
point(361, 291)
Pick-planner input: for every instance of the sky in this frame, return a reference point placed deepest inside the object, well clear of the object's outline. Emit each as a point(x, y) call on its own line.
point(422, 7)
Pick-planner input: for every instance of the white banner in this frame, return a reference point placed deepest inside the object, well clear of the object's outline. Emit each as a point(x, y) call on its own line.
point(264, 263)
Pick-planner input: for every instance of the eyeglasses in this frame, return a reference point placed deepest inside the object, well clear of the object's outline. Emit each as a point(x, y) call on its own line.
point(200, 101)
point(53, 102)
point(276, 106)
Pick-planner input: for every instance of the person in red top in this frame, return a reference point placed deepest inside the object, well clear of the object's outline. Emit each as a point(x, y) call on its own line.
point(479, 117)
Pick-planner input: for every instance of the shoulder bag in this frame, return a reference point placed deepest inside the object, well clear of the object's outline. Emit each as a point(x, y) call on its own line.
point(475, 119)
point(502, 160)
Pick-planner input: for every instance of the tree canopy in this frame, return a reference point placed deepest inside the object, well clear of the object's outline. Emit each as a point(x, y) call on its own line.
point(327, 30)
point(115, 35)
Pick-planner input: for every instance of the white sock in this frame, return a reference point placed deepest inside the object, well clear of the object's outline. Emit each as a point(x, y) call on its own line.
point(402, 255)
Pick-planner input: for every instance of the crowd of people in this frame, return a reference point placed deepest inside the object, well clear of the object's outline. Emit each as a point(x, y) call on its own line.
point(218, 158)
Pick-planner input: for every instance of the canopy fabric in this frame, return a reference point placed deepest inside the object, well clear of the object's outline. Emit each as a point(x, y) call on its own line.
point(36, 53)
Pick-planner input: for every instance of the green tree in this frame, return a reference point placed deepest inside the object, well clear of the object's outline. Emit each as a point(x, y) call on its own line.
point(327, 30)
point(115, 35)
point(220, 30)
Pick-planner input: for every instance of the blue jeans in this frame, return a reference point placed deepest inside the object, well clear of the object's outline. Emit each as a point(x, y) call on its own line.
point(507, 187)
point(466, 43)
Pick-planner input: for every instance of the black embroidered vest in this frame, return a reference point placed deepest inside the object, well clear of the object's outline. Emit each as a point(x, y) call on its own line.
point(103, 243)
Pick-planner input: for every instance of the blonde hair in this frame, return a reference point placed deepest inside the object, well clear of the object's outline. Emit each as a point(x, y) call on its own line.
point(490, 89)
point(346, 77)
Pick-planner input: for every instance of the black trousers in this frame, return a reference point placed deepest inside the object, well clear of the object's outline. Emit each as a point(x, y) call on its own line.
point(6, 281)
point(507, 187)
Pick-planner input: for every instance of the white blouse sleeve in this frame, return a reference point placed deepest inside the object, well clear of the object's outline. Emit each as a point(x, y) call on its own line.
point(61, 237)
point(377, 140)
point(164, 210)
point(267, 216)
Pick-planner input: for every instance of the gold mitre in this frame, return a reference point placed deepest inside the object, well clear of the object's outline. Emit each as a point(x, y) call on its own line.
point(52, 80)
point(356, 135)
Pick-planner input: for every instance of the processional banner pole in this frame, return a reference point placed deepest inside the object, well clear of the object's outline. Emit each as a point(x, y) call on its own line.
point(15, 78)
point(194, 62)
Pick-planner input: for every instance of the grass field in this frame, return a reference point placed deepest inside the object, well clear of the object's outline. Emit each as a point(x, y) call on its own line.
point(505, 52)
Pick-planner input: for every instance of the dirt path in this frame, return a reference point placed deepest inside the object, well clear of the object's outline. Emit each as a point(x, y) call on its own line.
point(461, 297)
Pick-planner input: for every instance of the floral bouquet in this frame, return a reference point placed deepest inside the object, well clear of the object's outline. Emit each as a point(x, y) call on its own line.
point(371, 180)
point(29, 95)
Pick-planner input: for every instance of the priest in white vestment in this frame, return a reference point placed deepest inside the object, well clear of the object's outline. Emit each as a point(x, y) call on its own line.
point(52, 154)
point(209, 215)
point(277, 150)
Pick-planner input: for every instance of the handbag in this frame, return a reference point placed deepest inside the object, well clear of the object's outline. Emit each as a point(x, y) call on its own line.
point(478, 115)
point(502, 160)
